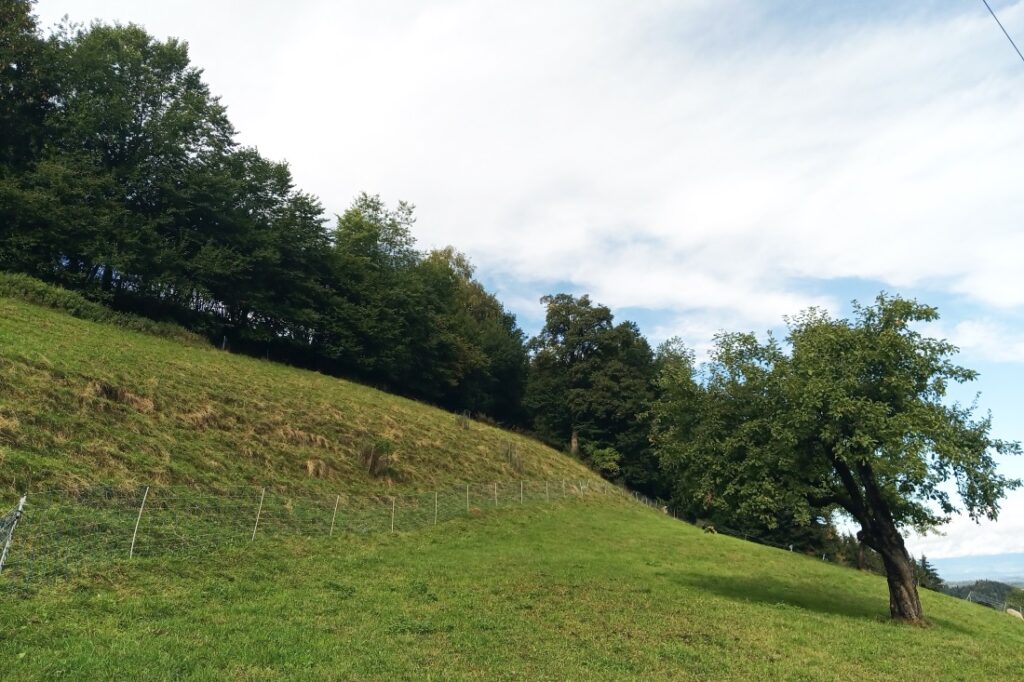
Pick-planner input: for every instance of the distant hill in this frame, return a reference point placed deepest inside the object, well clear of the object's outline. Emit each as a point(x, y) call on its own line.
point(1004, 568)
point(989, 592)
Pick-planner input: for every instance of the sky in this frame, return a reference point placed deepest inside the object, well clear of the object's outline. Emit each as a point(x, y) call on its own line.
point(698, 165)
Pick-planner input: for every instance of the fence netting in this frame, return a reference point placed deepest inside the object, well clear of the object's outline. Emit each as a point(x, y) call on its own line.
point(61, 532)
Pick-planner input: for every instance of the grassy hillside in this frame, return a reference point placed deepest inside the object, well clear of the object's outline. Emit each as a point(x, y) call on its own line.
point(580, 587)
point(83, 402)
point(574, 591)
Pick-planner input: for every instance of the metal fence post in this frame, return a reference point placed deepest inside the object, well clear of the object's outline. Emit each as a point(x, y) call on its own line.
point(258, 512)
point(520, 492)
point(495, 494)
point(435, 507)
point(138, 519)
point(334, 516)
point(547, 495)
point(393, 514)
point(10, 534)
point(467, 498)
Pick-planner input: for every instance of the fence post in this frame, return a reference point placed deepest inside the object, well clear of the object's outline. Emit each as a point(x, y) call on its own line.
point(258, 512)
point(435, 507)
point(10, 533)
point(547, 495)
point(520, 492)
point(334, 515)
point(393, 498)
point(563, 487)
point(495, 494)
point(467, 498)
point(138, 519)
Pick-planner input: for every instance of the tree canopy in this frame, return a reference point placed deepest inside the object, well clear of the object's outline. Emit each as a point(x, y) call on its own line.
point(120, 176)
point(591, 382)
point(852, 414)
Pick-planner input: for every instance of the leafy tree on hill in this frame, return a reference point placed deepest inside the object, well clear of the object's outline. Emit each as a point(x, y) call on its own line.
point(26, 84)
point(590, 382)
point(853, 417)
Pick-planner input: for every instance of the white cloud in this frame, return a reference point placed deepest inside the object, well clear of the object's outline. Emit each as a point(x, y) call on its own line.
point(638, 150)
point(963, 537)
point(991, 339)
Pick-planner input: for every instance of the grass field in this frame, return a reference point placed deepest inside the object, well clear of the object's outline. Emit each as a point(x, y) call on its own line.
point(83, 403)
point(587, 587)
point(575, 591)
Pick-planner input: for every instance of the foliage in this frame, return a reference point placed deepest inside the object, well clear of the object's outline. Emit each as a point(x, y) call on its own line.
point(593, 380)
point(120, 178)
point(927, 576)
point(34, 291)
point(853, 417)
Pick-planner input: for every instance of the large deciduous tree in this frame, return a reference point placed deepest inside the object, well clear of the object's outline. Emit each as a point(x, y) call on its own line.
point(590, 382)
point(851, 415)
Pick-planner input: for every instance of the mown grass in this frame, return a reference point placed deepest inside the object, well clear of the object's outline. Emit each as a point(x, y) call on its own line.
point(83, 403)
point(597, 589)
point(579, 590)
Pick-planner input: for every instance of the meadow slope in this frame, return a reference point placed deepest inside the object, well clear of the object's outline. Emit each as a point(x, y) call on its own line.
point(84, 403)
point(581, 587)
point(577, 590)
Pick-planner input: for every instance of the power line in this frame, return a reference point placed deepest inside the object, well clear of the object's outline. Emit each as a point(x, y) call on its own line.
point(1004, 30)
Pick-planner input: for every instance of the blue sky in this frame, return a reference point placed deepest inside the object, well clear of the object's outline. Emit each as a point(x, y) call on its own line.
point(697, 165)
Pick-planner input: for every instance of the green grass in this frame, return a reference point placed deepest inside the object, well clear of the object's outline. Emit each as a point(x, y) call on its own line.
point(582, 590)
point(592, 589)
point(85, 403)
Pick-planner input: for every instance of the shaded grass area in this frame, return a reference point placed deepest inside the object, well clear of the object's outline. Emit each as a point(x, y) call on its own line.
point(83, 403)
point(573, 591)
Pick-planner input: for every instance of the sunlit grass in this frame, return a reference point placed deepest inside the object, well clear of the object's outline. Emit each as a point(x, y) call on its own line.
point(579, 590)
point(84, 403)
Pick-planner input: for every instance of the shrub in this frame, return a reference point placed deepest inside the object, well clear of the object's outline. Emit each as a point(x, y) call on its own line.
point(378, 456)
point(40, 293)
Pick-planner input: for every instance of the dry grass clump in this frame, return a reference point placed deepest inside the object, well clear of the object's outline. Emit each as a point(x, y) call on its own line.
point(103, 390)
point(317, 468)
point(203, 418)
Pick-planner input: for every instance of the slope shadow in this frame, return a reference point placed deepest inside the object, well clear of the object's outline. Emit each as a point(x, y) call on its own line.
point(767, 589)
point(770, 589)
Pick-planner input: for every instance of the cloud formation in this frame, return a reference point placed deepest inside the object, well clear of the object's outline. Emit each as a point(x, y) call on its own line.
point(963, 537)
point(703, 156)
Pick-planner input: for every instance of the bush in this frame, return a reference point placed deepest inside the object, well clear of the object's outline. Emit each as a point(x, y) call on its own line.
point(378, 456)
point(32, 290)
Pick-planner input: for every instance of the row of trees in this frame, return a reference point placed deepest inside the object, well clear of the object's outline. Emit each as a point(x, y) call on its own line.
point(120, 177)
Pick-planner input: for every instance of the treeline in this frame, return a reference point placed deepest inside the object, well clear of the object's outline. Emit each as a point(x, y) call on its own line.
point(121, 178)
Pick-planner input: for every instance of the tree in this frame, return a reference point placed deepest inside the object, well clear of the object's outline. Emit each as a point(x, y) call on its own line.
point(926, 575)
point(26, 84)
point(590, 382)
point(853, 416)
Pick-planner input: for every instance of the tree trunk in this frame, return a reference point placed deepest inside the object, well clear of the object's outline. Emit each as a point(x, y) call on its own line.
point(108, 278)
point(904, 602)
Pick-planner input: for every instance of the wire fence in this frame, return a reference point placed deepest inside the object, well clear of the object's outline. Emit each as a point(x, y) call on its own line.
point(56, 533)
point(725, 530)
